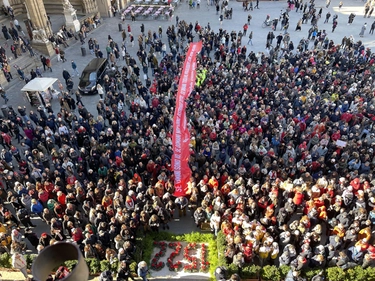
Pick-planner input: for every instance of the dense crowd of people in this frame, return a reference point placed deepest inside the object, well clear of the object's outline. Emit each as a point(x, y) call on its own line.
point(282, 153)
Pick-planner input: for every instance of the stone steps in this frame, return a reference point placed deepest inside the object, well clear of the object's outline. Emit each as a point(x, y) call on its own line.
point(26, 63)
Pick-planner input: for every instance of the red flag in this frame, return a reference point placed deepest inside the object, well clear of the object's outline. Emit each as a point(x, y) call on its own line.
point(181, 135)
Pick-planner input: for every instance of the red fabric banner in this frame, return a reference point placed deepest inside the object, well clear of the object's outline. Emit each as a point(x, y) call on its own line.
point(181, 135)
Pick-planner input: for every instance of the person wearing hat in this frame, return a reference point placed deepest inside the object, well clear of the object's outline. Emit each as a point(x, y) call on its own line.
point(45, 239)
point(10, 219)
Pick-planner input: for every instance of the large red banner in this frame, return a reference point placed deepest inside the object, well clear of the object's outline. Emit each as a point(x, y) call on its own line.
point(181, 135)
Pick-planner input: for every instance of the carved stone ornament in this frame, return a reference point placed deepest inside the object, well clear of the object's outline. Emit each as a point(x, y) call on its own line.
point(40, 35)
point(67, 5)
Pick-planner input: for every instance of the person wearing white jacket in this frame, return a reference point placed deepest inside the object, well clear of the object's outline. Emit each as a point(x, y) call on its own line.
point(215, 222)
point(19, 262)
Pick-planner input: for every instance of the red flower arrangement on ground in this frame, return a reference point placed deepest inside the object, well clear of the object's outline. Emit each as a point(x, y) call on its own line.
point(205, 265)
point(193, 267)
point(155, 263)
point(177, 249)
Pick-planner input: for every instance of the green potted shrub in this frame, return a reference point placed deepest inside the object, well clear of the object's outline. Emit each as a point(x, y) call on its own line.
point(284, 269)
point(271, 273)
point(336, 274)
point(114, 265)
point(5, 260)
point(71, 264)
point(133, 268)
point(250, 271)
point(30, 259)
point(356, 273)
point(232, 268)
point(93, 265)
point(370, 273)
point(104, 265)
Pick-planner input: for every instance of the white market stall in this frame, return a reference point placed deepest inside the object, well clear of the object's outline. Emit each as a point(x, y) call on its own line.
point(40, 91)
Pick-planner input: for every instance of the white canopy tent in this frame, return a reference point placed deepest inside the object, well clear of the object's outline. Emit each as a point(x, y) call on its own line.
point(39, 91)
point(39, 84)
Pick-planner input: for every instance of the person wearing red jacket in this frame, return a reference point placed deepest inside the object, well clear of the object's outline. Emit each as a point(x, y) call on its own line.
point(71, 179)
point(43, 196)
point(298, 197)
point(48, 186)
point(7, 139)
point(61, 198)
point(77, 235)
point(347, 116)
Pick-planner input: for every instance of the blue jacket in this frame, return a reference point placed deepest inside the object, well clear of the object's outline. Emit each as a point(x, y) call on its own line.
point(8, 157)
point(37, 208)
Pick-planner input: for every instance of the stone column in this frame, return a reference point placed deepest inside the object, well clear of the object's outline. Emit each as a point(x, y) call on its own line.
point(89, 7)
point(39, 20)
point(104, 8)
point(123, 4)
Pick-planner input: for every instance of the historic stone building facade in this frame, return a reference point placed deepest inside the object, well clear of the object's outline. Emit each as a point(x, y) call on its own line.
point(83, 7)
point(37, 23)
